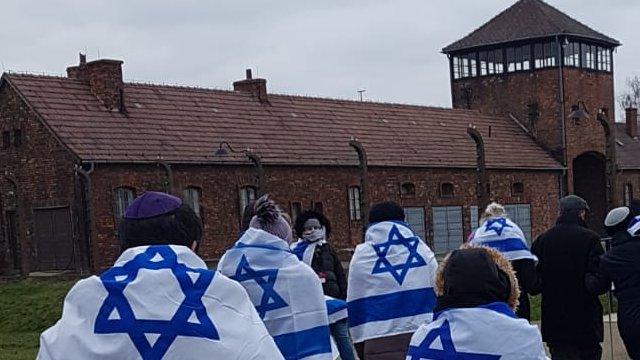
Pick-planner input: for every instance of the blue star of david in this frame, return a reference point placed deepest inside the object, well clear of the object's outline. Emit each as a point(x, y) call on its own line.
point(266, 279)
point(424, 350)
point(497, 225)
point(398, 271)
point(115, 281)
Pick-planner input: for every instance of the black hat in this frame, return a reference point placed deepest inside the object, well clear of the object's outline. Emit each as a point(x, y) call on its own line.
point(573, 202)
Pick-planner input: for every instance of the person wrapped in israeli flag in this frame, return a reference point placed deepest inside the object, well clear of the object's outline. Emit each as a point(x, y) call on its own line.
point(497, 231)
point(474, 317)
point(336, 309)
point(634, 226)
point(158, 301)
point(286, 292)
point(391, 279)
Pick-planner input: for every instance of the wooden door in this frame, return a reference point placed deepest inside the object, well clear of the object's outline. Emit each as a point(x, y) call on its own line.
point(53, 239)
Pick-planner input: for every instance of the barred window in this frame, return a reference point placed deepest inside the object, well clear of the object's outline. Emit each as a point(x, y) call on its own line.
point(123, 197)
point(414, 216)
point(191, 198)
point(545, 55)
point(354, 203)
point(447, 228)
point(604, 59)
point(446, 190)
point(588, 56)
point(521, 215)
point(519, 58)
point(247, 195)
point(572, 54)
point(464, 66)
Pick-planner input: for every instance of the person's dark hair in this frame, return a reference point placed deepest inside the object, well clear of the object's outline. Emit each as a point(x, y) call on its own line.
point(386, 211)
point(247, 214)
point(179, 227)
point(298, 227)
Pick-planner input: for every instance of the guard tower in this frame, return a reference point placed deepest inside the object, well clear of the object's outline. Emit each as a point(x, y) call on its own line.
point(536, 65)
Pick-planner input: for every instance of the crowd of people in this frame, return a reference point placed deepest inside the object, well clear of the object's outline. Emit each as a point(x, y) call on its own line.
point(281, 291)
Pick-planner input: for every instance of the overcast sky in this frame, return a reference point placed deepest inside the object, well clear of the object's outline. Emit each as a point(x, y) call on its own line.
point(328, 48)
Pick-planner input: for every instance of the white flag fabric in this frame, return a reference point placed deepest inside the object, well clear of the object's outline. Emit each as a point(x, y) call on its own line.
point(286, 292)
point(505, 236)
point(390, 286)
point(304, 250)
point(634, 226)
point(336, 309)
point(158, 302)
point(488, 332)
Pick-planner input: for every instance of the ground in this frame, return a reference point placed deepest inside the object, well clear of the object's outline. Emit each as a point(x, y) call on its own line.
point(29, 307)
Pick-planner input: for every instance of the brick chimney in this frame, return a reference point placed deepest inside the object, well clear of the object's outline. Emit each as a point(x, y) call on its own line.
point(632, 121)
point(257, 87)
point(105, 78)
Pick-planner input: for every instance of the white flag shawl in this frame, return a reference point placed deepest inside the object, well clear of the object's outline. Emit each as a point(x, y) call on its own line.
point(286, 292)
point(634, 226)
point(391, 279)
point(158, 302)
point(487, 332)
point(304, 250)
point(505, 236)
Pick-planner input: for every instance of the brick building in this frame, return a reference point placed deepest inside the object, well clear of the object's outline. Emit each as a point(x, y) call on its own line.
point(77, 149)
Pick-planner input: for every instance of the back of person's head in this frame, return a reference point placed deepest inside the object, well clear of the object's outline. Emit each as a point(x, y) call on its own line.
point(268, 217)
point(617, 220)
point(473, 276)
point(156, 218)
point(573, 205)
point(386, 211)
point(307, 215)
point(493, 210)
point(247, 214)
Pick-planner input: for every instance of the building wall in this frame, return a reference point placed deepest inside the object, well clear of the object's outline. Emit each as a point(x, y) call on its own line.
point(38, 174)
point(220, 197)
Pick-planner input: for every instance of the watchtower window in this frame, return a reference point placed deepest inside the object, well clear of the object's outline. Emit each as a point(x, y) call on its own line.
point(604, 59)
point(519, 58)
point(491, 62)
point(588, 56)
point(464, 66)
point(572, 54)
point(545, 55)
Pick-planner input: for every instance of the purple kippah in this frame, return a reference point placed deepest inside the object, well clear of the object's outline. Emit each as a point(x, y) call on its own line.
point(151, 204)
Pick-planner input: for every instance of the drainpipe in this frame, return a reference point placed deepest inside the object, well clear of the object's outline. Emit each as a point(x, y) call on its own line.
point(257, 161)
point(610, 155)
point(362, 165)
point(565, 183)
point(481, 169)
point(87, 259)
point(167, 168)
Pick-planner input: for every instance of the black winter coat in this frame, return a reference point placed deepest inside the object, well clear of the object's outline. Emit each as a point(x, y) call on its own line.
point(621, 265)
point(570, 312)
point(327, 265)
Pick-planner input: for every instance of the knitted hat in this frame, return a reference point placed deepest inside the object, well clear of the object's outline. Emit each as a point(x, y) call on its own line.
point(152, 204)
point(617, 220)
point(268, 218)
point(386, 211)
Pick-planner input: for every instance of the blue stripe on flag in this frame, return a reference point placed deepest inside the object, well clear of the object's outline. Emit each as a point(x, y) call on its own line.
point(335, 305)
point(504, 245)
point(298, 345)
point(391, 306)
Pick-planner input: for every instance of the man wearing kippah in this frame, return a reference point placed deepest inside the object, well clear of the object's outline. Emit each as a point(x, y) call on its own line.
point(159, 300)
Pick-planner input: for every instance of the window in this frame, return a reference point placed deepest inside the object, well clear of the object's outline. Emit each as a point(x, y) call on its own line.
point(6, 139)
point(588, 56)
point(247, 195)
point(296, 210)
point(446, 190)
point(604, 59)
point(407, 189)
point(354, 203)
point(123, 197)
point(517, 189)
point(191, 198)
point(414, 216)
point(447, 228)
point(473, 218)
point(521, 215)
point(17, 138)
point(519, 58)
point(628, 194)
point(572, 54)
point(545, 55)
point(464, 66)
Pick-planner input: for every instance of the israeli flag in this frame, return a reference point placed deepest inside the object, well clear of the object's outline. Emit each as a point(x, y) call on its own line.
point(158, 302)
point(391, 278)
point(488, 332)
point(336, 309)
point(505, 236)
point(634, 226)
point(286, 292)
point(304, 250)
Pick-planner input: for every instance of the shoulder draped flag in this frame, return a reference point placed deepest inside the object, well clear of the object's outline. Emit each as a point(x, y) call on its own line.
point(505, 236)
point(391, 279)
point(158, 302)
point(286, 292)
point(488, 332)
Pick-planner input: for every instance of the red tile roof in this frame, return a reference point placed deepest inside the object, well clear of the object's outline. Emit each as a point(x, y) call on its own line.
point(185, 125)
point(527, 19)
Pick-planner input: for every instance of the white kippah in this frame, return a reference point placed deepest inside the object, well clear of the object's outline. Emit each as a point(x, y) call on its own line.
point(616, 216)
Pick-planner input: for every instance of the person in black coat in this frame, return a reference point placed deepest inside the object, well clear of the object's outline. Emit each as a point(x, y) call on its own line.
point(314, 229)
point(571, 315)
point(621, 265)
